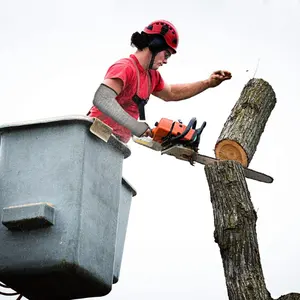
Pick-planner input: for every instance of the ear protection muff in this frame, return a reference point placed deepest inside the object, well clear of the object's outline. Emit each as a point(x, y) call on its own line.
point(157, 44)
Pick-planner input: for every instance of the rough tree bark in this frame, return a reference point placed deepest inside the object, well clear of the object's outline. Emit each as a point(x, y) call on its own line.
point(234, 214)
point(235, 233)
point(244, 126)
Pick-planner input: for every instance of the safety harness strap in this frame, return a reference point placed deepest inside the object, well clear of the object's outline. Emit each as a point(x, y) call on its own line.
point(139, 101)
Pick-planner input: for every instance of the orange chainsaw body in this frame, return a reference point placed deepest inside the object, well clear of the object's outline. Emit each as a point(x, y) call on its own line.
point(166, 127)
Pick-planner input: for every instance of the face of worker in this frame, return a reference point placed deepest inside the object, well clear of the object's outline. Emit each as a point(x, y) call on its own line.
point(161, 58)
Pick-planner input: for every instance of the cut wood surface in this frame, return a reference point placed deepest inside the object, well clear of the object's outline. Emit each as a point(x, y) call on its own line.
point(244, 126)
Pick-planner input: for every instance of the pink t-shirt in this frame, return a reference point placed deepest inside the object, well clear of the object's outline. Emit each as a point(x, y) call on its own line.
point(125, 70)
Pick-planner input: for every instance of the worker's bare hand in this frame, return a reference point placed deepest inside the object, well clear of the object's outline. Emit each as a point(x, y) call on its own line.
point(218, 77)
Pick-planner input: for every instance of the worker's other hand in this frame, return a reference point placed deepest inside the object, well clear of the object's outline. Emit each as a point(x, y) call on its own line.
point(148, 132)
point(218, 77)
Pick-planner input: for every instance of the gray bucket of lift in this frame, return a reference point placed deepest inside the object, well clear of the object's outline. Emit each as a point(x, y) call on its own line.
point(59, 199)
point(127, 192)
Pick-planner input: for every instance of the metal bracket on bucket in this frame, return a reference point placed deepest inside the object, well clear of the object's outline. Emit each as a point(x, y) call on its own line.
point(28, 216)
point(101, 130)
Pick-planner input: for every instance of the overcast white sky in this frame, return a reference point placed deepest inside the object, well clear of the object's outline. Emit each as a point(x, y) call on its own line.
point(53, 56)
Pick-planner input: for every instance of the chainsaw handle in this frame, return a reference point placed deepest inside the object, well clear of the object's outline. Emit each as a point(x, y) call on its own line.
point(199, 130)
point(192, 124)
point(197, 134)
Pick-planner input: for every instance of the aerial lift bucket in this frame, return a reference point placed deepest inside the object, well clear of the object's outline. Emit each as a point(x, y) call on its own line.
point(61, 208)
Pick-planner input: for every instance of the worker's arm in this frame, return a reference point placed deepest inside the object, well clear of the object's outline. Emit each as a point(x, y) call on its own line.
point(105, 101)
point(177, 92)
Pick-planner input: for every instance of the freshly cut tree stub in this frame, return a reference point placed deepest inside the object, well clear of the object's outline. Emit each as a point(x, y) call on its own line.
point(231, 150)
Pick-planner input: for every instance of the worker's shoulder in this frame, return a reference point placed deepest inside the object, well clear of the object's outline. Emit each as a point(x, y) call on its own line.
point(124, 64)
point(126, 61)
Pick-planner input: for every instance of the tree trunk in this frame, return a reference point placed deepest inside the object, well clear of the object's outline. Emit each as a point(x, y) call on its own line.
point(291, 296)
point(242, 131)
point(235, 231)
point(234, 214)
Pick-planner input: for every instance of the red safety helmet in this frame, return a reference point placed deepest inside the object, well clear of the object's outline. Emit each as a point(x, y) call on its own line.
point(165, 29)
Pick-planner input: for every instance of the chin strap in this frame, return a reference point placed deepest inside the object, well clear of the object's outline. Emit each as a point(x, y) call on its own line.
point(152, 60)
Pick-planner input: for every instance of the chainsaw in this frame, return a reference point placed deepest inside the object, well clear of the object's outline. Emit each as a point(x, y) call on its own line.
point(182, 141)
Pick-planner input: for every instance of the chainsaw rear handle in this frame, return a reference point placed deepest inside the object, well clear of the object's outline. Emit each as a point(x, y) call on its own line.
point(195, 140)
point(191, 125)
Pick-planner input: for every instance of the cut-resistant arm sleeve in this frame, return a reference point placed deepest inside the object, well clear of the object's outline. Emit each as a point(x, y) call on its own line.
point(105, 101)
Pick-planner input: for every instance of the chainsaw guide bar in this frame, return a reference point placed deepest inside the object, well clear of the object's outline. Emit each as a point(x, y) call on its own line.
point(187, 154)
point(183, 153)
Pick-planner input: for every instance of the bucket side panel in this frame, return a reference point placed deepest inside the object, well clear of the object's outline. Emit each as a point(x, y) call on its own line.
point(41, 164)
point(100, 204)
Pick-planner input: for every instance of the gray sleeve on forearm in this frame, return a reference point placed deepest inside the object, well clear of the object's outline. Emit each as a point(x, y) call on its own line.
point(105, 101)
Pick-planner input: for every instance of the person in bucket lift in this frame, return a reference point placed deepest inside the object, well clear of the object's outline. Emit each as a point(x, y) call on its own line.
point(119, 101)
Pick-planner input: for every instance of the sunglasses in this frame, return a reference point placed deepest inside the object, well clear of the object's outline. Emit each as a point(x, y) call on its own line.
point(167, 54)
